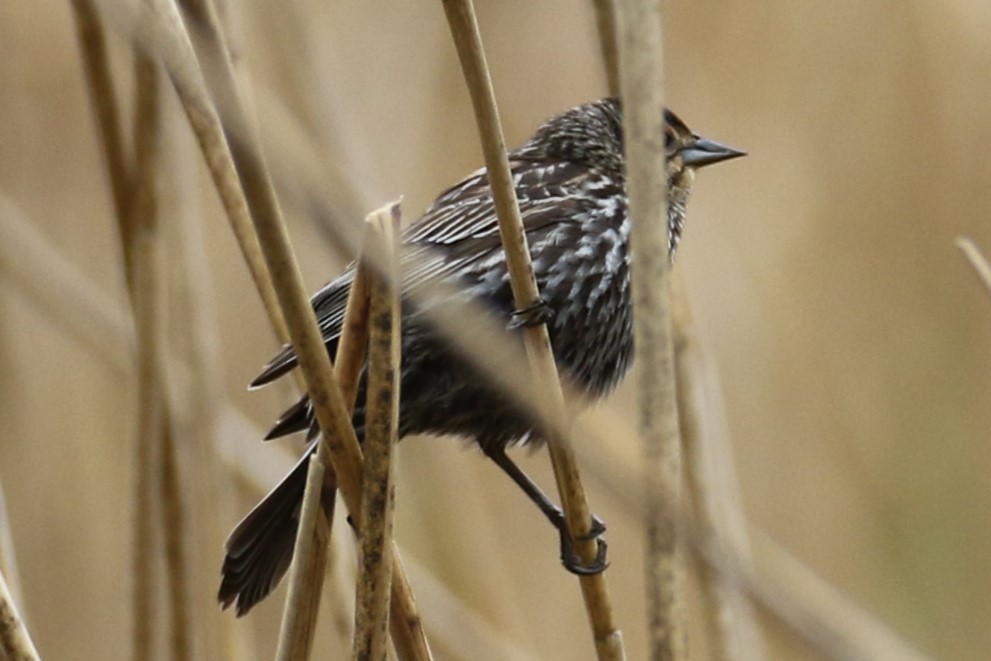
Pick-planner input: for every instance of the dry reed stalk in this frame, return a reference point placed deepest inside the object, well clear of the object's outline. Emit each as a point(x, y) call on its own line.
point(605, 21)
point(642, 86)
point(381, 434)
point(348, 361)
point(138, 232)
point(464, 30)
point(142, 253)
point(176, 536)
point(15, 641)
point(194, 378)
point(352, 345)
point(713, 491)
point(309, 559)
point(979, 263)
point(103, 97)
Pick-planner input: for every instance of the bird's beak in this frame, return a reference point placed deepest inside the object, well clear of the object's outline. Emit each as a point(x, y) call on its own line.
point(706, 152)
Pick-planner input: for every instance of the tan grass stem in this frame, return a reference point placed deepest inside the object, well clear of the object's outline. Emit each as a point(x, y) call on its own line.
point(642, 84)
point(381, 435)
point(467, 40)
point(306, 572)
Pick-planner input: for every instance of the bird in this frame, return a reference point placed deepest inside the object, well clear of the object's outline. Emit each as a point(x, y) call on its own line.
point(570, 184)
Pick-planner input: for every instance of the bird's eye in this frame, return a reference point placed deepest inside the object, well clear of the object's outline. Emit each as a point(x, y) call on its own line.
point(668, 140)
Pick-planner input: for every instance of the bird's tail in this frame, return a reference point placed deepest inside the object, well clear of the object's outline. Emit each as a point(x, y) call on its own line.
point(260, 548)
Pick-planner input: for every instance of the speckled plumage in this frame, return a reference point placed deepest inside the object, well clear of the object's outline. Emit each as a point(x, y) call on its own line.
point(570, 183)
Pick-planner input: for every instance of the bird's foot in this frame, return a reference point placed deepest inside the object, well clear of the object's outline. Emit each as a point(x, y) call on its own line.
point(573, 562)
point(539, 312)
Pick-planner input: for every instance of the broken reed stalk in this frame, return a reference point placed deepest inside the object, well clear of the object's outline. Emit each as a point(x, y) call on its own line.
point(381, 434)
point(642, 86)
point(977, 261)
point(464, 30)
point(311, 551)
point(15, 641)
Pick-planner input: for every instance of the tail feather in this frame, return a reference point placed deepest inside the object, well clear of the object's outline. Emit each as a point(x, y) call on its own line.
point(260, 548)
point(296, 418)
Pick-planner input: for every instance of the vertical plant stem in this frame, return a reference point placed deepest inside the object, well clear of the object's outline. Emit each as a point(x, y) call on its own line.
point(309, 557)
point(642, 86)
point(464, 30)
point(381, 434)
point(195, 405)
point(103, 98)
point(310, 553)
point(138, 231)
point(351, 348)
point(176, 542)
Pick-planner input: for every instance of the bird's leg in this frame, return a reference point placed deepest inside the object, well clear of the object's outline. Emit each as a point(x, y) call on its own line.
point(539, 312)
point(554, 514)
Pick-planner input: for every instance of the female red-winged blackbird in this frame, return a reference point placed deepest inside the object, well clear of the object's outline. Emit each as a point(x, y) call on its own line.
point(572, 194)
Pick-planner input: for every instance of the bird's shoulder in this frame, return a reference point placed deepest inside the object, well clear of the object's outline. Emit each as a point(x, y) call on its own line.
point(547, 192)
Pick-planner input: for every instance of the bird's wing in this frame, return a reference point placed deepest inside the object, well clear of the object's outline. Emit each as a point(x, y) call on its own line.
point(459, 229)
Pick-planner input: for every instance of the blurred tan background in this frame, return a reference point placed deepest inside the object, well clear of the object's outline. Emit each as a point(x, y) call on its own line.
point(852, 340)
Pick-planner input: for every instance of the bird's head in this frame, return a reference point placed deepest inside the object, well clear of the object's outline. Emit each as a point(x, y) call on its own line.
point(688, 151)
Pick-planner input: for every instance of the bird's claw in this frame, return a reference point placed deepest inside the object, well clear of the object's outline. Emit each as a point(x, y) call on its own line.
point(539, 312)
point(573, 562)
